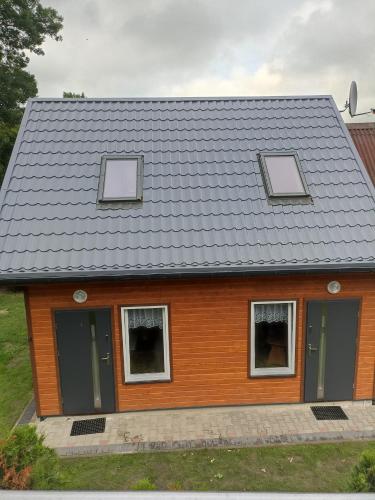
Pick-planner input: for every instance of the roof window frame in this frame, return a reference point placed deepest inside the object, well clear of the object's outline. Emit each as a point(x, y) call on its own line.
point(139, 186)
point(267, 180)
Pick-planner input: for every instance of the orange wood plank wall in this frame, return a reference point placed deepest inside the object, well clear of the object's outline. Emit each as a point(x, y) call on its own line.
point(209, 330)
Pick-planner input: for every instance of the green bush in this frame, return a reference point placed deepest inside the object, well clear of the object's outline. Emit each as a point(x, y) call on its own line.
point(23, 447)
point(25, 461)
point(363, 477)
point(144, 484)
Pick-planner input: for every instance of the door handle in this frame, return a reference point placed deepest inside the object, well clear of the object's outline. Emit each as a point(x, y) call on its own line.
point(106, 358)
point(311, 348)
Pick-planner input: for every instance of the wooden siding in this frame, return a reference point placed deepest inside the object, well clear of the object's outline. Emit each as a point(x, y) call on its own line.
point(209, 335)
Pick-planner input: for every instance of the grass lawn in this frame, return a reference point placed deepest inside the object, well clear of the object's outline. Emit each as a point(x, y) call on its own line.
point(304, 468)
point(15, 370)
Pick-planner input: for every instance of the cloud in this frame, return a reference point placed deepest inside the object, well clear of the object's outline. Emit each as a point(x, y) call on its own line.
point(207, 47)
point(133, 48)
point(240, 82)
point(332, 47)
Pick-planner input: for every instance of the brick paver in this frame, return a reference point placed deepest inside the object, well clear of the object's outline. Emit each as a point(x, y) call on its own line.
point(208, 427)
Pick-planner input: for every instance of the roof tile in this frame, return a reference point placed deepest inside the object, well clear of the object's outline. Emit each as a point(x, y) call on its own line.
point(204, 203)
point(363, 135)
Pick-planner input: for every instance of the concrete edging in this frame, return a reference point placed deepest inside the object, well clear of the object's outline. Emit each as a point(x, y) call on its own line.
point(149, 446)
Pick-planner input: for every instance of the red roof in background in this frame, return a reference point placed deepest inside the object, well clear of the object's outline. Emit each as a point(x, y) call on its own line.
point(363, 135)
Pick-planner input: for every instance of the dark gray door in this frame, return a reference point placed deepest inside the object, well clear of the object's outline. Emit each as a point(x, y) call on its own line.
point(84, 344)
point(330, 351)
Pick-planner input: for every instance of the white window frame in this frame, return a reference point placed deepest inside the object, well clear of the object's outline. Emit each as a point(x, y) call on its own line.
point(145, 377)
point(276, 371)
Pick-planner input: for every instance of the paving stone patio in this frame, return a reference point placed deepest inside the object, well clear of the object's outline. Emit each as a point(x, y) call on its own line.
point(209, 427)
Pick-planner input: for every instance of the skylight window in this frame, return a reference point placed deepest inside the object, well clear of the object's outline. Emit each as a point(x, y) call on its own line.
point(121, 178)
point(283, 175)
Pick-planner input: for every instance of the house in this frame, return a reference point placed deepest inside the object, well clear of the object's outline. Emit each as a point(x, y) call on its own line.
point(363, 135)
point(191, 252)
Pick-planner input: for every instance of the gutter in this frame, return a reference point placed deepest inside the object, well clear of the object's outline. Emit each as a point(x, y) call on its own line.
point(66, 276)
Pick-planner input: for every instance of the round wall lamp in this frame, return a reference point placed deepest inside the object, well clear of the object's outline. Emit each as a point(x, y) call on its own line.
point(80, 296)
point(334, 287)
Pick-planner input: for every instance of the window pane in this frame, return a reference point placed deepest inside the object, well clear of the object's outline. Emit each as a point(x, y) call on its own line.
point(271, 335)
point(284, 175)
point(120, 179)
point(146, 340)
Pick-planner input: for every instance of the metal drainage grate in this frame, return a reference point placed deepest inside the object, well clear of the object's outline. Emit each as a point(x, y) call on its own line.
point(329, 413)
point(91, 426)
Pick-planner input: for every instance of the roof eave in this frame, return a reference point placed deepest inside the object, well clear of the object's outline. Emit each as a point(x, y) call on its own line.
point(69, 276)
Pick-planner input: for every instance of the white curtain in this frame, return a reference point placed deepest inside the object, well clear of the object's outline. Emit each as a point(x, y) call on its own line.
point(271, 313)
point(148, 318)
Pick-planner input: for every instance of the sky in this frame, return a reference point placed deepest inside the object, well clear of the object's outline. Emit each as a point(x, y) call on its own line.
point(149, 48)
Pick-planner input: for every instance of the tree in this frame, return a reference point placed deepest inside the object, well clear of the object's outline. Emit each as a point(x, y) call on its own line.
point(24, 25)
point(73, 95)
point(8, 136)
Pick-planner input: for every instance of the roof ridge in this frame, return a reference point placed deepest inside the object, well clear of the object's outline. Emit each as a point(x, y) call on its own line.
point(174, 99)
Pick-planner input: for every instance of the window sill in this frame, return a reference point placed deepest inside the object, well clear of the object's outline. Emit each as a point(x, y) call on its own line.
point(272, 374)
point(145, 381)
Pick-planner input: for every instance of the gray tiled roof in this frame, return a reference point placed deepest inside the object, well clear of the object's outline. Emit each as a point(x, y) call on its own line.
point(205, 207)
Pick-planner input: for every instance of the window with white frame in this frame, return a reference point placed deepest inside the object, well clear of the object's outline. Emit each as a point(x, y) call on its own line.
point(273, 333)
point(146, 343)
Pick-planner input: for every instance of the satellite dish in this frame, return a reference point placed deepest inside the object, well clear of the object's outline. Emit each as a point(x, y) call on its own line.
point(353, 96)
